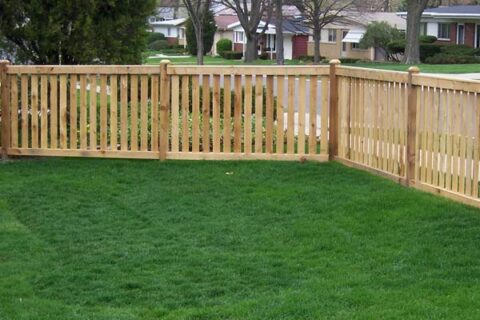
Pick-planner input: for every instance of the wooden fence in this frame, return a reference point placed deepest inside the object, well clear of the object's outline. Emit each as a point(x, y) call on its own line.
point(419, 130)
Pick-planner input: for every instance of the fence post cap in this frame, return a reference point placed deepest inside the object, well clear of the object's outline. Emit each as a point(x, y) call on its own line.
point(165, 61)
point(335, 61)
point(414, 69)
point(4, 62)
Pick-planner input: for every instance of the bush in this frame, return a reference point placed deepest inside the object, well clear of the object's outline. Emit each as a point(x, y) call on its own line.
point(232, 55)
point(224, 45)
point(158, 45)
point(349, 60)
point(155, 36)
point(443, 58)
point(263, 56)
point(397, 46)
point(460, 50)
point(427, 39)
point(428, 50)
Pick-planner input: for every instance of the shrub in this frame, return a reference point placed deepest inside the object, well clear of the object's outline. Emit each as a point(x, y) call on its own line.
point(224, 45)
point(232, 55)
point(154, 36)
point(158, 45)
point(263, 56)
point(427, 39)
point(428, 50)
point(460, 50)
point(443, 58)
point(349, 60)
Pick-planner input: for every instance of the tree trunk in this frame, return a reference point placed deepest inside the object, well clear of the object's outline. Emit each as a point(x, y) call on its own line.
point(316, 45)
point(199, 37)
point(251, 53)
point(414, 14)
point(279, 32)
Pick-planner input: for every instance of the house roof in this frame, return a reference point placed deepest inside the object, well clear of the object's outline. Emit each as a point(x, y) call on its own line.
point(174, 22)
point(461, 11)
point(290, 25)
point(356, 19)
point(223, 21)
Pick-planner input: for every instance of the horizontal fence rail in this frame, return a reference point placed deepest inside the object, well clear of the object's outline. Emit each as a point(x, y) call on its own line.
point(420, 130)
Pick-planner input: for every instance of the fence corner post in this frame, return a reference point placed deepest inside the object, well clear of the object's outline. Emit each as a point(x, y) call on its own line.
point(164, 108)
point(411, 126)
point(333, 114)
point(5, 108)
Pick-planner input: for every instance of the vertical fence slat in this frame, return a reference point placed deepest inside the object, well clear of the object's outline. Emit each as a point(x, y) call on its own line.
point(164, 109)
point(113, 112)
point(44, 111)
point(237, 115)
point(5, 107)
point(195, 114)
point(269, 115)
point(103, 113)
point(134, 112)
point(144, 113)
point(258, 113)
point(280, 143)
point(291, 116)
point(301, 113)
point(63, 111)
point(175, 112)
point(247, 126)
point(124, 112)
point(73, 111)
point(14, 110)
point(24, 97)
point(93, 111)
point(155, 119)
point(83, 112)
point(34, 119)
point(312, 114)
point(206, 113)
point(476, 156)
point(185, 113)
point(324, 117)
point(216, 113)
point(227, 110)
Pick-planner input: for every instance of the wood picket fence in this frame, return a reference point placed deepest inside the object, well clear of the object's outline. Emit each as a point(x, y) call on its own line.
point(422, 131)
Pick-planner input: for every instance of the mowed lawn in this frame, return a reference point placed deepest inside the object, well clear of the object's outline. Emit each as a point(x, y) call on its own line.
point(119, 239)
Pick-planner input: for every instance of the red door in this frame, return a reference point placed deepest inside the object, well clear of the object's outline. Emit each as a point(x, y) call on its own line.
point(300, 46)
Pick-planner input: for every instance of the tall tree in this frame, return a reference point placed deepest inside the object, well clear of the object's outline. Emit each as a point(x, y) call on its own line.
point(319, 13)
point(414, 14)
point(198, 11)
point(67, 32)
point(250, 14)
point(209, 29)
point(279, 32)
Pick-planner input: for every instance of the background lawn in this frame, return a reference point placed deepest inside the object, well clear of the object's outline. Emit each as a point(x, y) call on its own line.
point(426, 68)
point(104, 239)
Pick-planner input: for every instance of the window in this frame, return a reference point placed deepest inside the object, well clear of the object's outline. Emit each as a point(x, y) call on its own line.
point(169, 32)
point(443, 31)
point(355, 46)
point(460, 34)
point(423, 29)
point(332, 35)
point(271, 42)
point(238, 37)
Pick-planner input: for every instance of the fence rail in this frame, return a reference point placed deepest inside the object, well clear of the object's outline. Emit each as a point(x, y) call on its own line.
point(417, 129)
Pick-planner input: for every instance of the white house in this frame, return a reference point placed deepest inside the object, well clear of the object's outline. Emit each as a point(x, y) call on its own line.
point(173, 30)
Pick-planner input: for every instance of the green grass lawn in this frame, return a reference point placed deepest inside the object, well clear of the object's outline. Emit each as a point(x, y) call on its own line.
point(105, 239)
point(427, 68)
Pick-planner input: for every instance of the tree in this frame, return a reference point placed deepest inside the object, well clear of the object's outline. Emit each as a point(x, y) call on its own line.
point(209, 29)
point(76, 32)
point(250, 13)
point(279, 32)
point(319, 13)
point(414, 14)
point(198, 10)
point(379, 35)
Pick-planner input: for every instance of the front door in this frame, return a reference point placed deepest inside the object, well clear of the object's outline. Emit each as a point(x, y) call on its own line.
point(460, 34)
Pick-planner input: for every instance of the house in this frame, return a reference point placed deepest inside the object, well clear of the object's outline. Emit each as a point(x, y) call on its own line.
point(341, 39)
point(174, 30)
point(295, 38)
point(223, 32)
point(452, 25)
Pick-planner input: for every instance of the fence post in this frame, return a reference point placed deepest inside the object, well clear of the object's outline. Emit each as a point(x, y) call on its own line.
point(164, 108)
point(5, 87)
point(411, 126)
point(333, 114)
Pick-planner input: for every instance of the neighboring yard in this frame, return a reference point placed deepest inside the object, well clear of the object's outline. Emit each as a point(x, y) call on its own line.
point(427, 68)
point(105, 239)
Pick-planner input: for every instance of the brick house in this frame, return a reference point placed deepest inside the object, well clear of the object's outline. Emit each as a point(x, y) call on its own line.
point(452, 25)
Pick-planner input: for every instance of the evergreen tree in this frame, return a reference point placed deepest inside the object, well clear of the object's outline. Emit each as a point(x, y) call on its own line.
point(76, 32)
point(209, 29)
